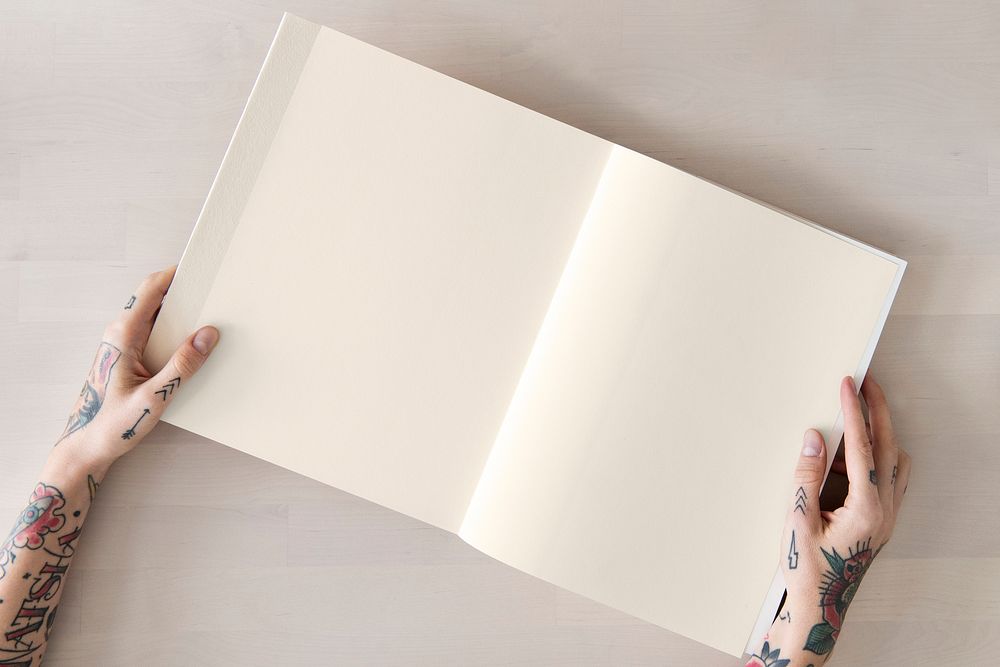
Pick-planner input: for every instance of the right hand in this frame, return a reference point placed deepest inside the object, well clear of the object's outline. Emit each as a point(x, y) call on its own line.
point(824, 555)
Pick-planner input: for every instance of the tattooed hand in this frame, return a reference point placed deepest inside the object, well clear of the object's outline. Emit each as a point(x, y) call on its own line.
point(824, 555)
point(121, 400)
point(118, 405)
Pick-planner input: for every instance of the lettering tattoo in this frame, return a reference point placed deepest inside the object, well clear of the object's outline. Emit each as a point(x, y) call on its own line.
point(800, 500)
point(787, 617)
point(768, 658)
point(793, 555)
point(131, 302)
point(29, 629)
point(893, 480)
point(169, 388)
point(39, 518)
point(840, 583)
point(94, 389)
point(131, 431)
point(872, 477)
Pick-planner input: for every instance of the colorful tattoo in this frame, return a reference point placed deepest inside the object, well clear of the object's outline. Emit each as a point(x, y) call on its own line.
point(94, 389)
point(32, 623)
point(40, 517)
point(840, 583)
point(768, 658)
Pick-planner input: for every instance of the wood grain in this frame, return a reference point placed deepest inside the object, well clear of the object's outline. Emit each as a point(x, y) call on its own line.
point(880, 120)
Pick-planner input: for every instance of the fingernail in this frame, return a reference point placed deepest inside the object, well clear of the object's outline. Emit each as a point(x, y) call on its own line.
point(205, 339)
point(850, 382)
point(812, 444)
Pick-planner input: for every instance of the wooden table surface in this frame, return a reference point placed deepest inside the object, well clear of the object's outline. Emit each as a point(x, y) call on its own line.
point(880, 120)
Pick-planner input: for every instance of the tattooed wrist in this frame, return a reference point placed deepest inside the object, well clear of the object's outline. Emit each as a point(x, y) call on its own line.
point(782, 648)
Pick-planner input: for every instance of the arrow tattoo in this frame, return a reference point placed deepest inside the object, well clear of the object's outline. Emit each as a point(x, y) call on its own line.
point(169, 387)
point(131, 432)
point(793, 555)
point(800, 500)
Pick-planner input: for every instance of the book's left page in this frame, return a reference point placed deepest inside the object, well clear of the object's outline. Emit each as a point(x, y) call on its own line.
point(379, 250)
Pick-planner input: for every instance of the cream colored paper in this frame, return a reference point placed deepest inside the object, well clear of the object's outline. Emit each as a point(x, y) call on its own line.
point(380, 284)
point(645, 458)
point(380, 249)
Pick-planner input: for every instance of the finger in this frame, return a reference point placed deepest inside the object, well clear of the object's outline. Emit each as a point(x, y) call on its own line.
point(181, 366)
point(131, 329)
point(902, 479)
point(883, 440)
point(148, 299)
point(804, 512)
point(857, 448)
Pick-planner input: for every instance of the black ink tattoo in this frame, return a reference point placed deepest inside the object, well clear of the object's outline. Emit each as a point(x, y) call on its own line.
point(872, 477)
point(800, 500)
point(893, 480)
point(169, 388)
point(793, 555)
point(130, 433)
point(92, 487)
point(787, 616)
point(768, 658)
point(131, 302)
point(94, 389)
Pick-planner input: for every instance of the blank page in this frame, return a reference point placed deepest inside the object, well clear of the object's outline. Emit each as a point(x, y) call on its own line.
point(645, 461)
point(379, 250)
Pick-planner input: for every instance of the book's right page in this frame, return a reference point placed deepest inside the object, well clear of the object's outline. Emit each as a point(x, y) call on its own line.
point(646, 458)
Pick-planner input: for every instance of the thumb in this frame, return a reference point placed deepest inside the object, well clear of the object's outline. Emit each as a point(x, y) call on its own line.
point(809, 474)
point(184, 363)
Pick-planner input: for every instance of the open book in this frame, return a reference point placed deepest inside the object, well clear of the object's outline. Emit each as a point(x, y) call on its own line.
point(589, 365)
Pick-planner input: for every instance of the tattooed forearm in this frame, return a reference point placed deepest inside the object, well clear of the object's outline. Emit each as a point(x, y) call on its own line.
point(34, 561)
point(768, 657)
point(40, 517)
point(94, 389)
point(840, 583)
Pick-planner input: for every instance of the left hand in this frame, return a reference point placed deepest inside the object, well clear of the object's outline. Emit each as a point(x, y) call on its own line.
point(121, 399)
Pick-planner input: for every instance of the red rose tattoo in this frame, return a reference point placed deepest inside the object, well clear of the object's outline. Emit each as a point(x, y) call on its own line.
point(40, 517)
point(94, 389)
point(840, 583)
